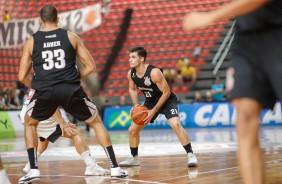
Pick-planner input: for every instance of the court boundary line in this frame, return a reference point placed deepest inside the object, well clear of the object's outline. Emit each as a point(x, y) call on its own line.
point(218, 170)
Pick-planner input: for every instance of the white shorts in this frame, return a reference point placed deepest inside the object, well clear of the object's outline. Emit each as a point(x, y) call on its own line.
point(47, 127)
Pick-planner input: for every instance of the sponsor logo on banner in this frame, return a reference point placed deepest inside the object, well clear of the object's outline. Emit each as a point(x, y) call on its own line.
point(6, 125)
point(15, 32)
point(214, 115)
point(120, 119)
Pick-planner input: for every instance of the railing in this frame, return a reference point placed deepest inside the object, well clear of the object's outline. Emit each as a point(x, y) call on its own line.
point(223, 50)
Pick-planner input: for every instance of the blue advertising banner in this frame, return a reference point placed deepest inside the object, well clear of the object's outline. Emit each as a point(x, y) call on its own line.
point(200, 115)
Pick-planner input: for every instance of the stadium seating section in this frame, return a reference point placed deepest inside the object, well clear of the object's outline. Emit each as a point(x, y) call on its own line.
point(155, 24)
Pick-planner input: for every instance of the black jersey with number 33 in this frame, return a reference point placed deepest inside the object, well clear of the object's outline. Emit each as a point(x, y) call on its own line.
point(148, 87)
point(53, 59)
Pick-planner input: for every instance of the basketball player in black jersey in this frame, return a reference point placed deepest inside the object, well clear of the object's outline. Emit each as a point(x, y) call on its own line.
point(52, 53)
point(159, 100)
point(257, 70)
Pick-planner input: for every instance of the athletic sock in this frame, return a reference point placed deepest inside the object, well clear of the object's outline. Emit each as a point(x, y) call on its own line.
point(134, 151)
point(32, 156)
point(188, 148)
point(87, 157)
point(111, 156)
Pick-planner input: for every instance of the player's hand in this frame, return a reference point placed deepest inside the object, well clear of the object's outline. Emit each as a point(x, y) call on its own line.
point(197, 20)
point(151, 114)
point(68, 128)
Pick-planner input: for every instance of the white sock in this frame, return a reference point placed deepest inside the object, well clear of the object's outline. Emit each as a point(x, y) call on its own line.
point(87, 157)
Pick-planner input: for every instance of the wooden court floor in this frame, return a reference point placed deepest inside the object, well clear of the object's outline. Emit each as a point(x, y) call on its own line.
point(216, 166)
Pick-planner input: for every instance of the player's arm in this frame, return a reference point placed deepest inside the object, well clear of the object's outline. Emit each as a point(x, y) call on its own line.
point(158, 78)
point(132, 89)
point(26, 63)
point(232, 9)
point(83, 55)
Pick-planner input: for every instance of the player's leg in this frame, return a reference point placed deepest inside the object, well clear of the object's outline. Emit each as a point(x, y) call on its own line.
point(134, 140)
point(41, 107)
point(183, 138)
point(82, 148)
point(42, 146)
point(250, 92)
point(31, 141)
point(3, 176)
point(82, 108)
point(104, 140)
point(182, 135)
point(249, 153)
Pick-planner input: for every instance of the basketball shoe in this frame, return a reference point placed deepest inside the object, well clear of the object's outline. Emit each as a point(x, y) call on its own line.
point(32, 175)
point(130, 161)
point(96, 170)
point(117, 172)
point(192, 160)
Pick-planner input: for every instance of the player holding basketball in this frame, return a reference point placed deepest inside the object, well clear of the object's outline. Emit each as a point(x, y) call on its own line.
point(50, 130)
point(159, 100)
point(256, 66)
point(52, 53)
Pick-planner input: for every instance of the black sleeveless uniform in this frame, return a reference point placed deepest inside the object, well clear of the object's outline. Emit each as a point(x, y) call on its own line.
point(56, 79)
point(257, 55)
point(153, 94)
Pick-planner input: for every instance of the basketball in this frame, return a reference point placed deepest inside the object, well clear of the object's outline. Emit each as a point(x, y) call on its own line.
point(137, 114)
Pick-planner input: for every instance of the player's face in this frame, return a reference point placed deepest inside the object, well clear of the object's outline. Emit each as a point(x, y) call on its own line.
point(135, 60)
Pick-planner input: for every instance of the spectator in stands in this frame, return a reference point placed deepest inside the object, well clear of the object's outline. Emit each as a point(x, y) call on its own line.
point(21, 90)
point(189, 74)
point(14, 102)
point(178, 79)
point(218, 90)
point(169, 75)
point(209, 97)
point(197, 51)
point(197, 97)
point(181, 63)
point(122, 101)
point(6, 97)
point(3, 105)
point(6, 16)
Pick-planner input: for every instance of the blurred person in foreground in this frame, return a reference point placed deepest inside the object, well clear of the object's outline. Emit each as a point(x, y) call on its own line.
point(255, 76)
point(3, 176)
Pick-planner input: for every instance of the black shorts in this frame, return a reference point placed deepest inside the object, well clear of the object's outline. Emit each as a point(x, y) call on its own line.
point(70, 97)
point(257, 61)
point(170, 109)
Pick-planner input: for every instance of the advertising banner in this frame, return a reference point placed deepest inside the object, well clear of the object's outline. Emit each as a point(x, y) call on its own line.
point(200, 115)
point(15, 32)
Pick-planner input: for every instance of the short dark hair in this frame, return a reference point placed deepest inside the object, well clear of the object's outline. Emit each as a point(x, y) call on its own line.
point(141, 51)
point(49, 14)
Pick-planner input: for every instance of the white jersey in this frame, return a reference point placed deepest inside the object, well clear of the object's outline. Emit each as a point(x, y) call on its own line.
point(47, 127)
